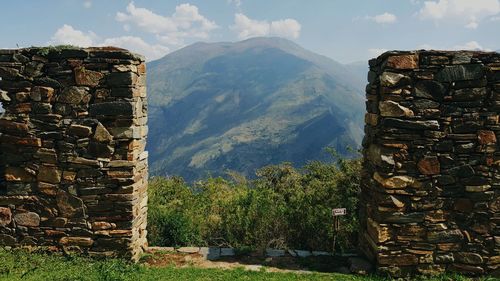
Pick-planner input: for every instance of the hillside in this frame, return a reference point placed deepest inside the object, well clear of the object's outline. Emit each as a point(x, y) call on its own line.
point(238, 106)
point(359, 70)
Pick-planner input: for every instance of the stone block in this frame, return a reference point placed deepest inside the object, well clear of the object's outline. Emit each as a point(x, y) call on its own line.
point(469, 94)
point(101, 134)
point(402, 62)
point(74, 95)
point(486, 137)
point(79, 130)
point(69, 206)
point(76, 241)
point(85, 77)
point(398, 259)
point(29, 219)
point(7, 240)
point(429, 165)
point(392, 79)
point(394, 182)
point(15, 128)
point(275, 253)
point(49, 174)
point(112, 109)
point(410, 124)
point(39, 93)
point(17, 174)
point(5, 216)
point(21, 141)
point(461, 72)
point(120, 79)
point(188, 250)
point(47, 188)
point(445, 236)
point(393, 109)
point(227, 252)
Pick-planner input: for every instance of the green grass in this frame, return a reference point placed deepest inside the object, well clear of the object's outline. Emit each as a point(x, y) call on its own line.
point(21, 265)
point(44, 51)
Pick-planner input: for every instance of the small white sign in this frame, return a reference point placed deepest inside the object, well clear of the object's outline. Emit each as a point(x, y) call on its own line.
point(339, 212)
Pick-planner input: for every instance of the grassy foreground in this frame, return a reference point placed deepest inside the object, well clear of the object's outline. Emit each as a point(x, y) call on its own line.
point(20, 265)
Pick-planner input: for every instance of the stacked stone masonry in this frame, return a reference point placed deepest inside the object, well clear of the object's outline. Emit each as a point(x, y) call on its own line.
point(431, 181)
point(73, 166)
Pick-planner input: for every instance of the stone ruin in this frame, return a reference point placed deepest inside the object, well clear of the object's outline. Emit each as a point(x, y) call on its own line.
point(73, 170)
point(73, 166)
point(431, 183)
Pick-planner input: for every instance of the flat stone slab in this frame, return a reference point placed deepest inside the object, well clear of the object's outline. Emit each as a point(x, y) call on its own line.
point(214, 253)
point(227, 252)
point(210, 253)
point(321, 253)
point(188, 250)
point(303, 253)
point(161, 249)
point(275, 253)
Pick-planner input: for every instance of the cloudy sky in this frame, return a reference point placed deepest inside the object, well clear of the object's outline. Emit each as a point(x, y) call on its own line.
point(345, 30)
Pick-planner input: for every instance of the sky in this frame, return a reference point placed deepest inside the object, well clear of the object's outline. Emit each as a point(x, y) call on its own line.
point(346, 31)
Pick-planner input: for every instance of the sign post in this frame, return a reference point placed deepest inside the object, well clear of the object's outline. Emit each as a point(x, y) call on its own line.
point(336, 213)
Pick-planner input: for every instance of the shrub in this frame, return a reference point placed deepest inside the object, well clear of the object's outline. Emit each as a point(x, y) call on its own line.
point(282, 208)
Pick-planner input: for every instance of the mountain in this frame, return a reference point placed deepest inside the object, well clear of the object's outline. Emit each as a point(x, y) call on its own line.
point(239, 106)
point(359, 70)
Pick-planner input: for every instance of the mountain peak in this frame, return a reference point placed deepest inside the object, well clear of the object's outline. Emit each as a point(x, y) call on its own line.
point(243, 105)
point(215, 48)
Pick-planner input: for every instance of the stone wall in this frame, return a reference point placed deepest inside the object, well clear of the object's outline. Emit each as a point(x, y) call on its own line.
point(73, 170)
point(430, 188)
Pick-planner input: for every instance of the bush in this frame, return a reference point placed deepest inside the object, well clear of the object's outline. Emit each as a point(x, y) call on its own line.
point(282, 208)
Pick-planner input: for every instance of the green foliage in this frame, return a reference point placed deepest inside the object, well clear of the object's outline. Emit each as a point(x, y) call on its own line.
point(168, 210)
point(282, 208)
point(44, 51)
point(21, 265)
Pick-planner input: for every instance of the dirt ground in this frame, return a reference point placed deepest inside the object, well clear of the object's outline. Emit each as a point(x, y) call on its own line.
point(248, 262)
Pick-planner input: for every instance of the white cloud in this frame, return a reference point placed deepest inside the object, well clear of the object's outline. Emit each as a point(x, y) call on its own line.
point(237, 3)
point(185, 23)
point(169, 31)
point(375, 52)
point(468, 12)
point(425, 47)
point(67, 35)
point(385, 18)
point(471, 46)
point(289, 28)
point(246, 27)
point(472, 25)
point(137, 45)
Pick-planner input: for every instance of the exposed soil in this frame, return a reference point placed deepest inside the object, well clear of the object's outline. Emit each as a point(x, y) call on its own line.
point(256, 263)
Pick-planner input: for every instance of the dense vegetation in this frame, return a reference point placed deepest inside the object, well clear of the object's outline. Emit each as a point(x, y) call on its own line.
point(282, 208)
point(21, 265)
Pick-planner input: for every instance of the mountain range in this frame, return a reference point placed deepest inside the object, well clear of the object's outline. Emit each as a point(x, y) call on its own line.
point(215, 107)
